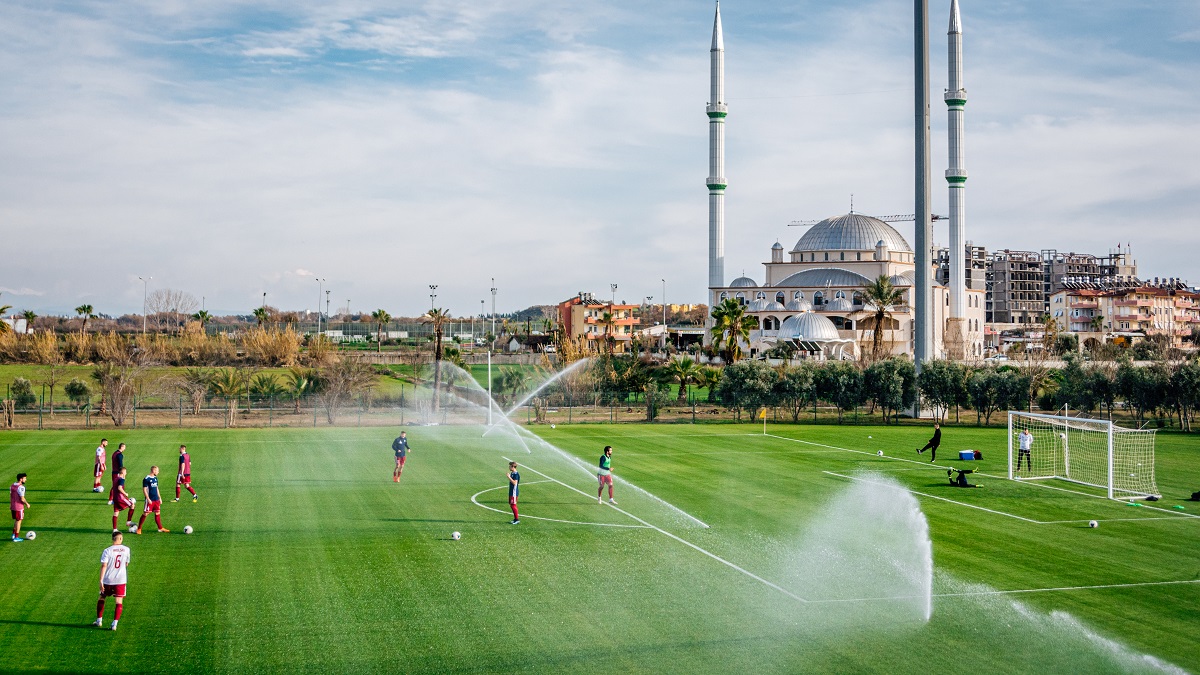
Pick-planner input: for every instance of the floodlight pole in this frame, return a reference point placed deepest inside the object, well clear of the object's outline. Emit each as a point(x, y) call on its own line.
point(664, 307)
point(145, 292)
point(432, 295)
point(493, 312)
point(320, 288)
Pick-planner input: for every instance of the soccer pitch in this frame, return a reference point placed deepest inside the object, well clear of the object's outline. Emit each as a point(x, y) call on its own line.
point(728, 551)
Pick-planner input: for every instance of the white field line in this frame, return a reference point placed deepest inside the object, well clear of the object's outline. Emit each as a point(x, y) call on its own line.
point(1022, 482)
point(553, 520)
point(679, 539)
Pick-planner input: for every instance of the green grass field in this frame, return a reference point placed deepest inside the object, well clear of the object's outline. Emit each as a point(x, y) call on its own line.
point(308, 558)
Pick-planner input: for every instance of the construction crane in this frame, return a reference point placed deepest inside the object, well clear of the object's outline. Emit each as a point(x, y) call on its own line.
point(899, 218)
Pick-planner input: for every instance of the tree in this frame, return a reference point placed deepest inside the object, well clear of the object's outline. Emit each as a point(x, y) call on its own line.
point(118, 382)
point(1183, 391)
point(437, 318)
point(86, 312)
point(381, 319)
point(882, 298)
point(169, 306)
point(683, 371)
point(21, 393)
point(794, 389)
point(607, 320)
point(709, 378)
point(731, 327)
point(262, 315)
point(29, 315)
point(340, 381)
point(4, 327)
point(203, 317)
point(297, 383)
point(79, 393)
point(985, 396)
point(52, 372)
point(194, 384)
point(748, 385)
point(840, 383)
point(229, 384)
point(891, 385)
point(939, 382)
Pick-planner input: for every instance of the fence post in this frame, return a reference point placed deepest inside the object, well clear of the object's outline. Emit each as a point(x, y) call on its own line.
point(271, 414)
point(87, 420)
point(181, 411)
point(693, 410)
point(40, 404)
point(135, 413)
point(314, 414)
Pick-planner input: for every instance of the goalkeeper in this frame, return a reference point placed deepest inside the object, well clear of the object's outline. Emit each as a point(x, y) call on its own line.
point(961, 479)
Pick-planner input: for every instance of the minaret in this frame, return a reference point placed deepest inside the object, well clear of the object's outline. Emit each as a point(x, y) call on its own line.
point(716, 159)
point(956, 175)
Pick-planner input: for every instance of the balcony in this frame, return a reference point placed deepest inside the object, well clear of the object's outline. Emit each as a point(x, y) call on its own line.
point(1134, 303)
point(1084, 305)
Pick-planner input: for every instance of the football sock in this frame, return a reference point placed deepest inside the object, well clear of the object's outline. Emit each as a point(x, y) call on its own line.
point(117, 617)
point(158, 521)
point(100, 608)
point(189, 489)
point(514, 510)
point(130, 518)
point(177, 491)
point(141, 521)
point(114, 521)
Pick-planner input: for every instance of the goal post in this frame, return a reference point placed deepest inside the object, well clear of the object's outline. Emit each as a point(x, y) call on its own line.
point(1085, 451)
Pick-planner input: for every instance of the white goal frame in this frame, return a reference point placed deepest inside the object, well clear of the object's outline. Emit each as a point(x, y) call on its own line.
point(1100, 463)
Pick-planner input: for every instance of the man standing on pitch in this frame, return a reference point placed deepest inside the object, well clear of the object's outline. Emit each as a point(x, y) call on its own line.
point(514, 489)
point(98, 473)
point(933, 443)
point(118, 460)
point(113, 563)
point(153, 500)
point(400, 447)
point(604, 475)
point(17, 504)
point(184, 477)
point(1024, 445)
point(122, 500)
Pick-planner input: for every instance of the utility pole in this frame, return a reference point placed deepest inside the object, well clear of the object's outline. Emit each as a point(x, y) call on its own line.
point(320, 288)
point(145, 291)
point(327, 303)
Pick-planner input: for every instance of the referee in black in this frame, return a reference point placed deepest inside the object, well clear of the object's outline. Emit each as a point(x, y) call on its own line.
point(933, 443)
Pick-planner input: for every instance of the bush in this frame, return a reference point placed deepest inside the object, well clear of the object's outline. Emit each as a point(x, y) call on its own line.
point(79, 392)
point(21, 393)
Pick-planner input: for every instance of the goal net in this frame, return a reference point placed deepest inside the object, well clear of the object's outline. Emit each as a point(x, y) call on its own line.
point(1090, 452)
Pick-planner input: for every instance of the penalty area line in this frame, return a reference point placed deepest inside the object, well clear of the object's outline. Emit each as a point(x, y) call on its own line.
point(685, 542)
point(553, 520)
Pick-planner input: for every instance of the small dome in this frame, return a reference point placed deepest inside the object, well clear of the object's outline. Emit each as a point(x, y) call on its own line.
point(851, 232)
point(808, 326)
point(743, 282)
point(838, 305)
point(800, 305)
point(774, 307)
point(759, 305)
point(777, 247)
point(905, 278)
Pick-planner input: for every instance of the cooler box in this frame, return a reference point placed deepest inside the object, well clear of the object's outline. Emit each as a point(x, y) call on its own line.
point(966, 454)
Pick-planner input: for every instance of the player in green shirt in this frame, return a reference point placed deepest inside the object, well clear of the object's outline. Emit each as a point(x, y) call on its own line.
point(605, 476)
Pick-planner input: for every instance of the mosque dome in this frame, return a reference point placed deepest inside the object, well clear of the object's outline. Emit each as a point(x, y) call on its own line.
point(838, 305)
point(825, 276)
point(774, 307)
point(808, 326)
point(743, 282)
point(777, 247)
point(799, 305)
point(759, 305)
point(851, 232)
point(905, 278)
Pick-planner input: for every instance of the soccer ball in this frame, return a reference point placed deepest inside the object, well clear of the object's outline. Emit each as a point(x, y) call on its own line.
point(187, 529)
point(1063, 436)
point(456, 536)
point(880, 453)
point(132, 529)
point(551, 426)
point(31, 535)
point(1092, 523)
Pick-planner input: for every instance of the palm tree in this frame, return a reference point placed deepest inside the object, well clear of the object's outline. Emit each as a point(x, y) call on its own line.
point(883, 298)
point(684, 371)
point(438, 318)
point(731, 326)
point(261, 314)
point(1097, 323)
point(203, 317)
point(298, 381)
point(29, 315)
point(229, 384)
point(607, 319)
point(4, 327)
point(381, 318)
point(86, 312)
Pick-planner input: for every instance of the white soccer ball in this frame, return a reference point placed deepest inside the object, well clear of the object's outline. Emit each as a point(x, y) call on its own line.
point(31, 535)
point(456, 536)
point(1063, 436)
point(187, 529)
point(552, 426)
point(1092, 523)
point(880, 453)
point(133, 529)
point(870, 437)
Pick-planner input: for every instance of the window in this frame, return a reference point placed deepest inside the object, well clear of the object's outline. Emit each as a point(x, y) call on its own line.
point(827, 255)
point(780, 297)
point(858, 255)
point(798, 295)
point(818, 298)
point(842, 255)
point(760, 296)
point(840, 295)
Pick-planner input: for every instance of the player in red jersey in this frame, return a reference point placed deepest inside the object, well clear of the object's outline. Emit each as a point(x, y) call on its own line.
point(153, 500)
point(17, 504)
point(123, 501)
point(184, 477)
point(98, 472)
point(113, 563)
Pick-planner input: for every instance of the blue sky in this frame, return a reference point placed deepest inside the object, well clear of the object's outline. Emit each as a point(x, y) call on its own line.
point(232, 148)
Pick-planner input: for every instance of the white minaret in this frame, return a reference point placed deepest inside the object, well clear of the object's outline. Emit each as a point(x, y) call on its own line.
point(716, 159)
point(956, 175)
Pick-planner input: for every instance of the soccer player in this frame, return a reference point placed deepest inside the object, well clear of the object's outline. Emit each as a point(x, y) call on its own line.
point(604, 475)
point(123, 500)
point(18, 504)
point(118, 460)
point(98, 474)
point(933, 443)
point(153, 501)
point(185, 474)
point(1024, 445)
point(514, 489)
point(400, 446)
point(113, 563)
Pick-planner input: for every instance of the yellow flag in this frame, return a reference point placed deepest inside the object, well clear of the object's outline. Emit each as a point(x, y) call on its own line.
point(762, 414)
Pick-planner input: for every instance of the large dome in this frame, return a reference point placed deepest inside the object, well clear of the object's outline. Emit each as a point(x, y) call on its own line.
point(851, 232)
point(808, 326)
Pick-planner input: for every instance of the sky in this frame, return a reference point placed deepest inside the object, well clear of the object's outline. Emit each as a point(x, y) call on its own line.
point(232, 149)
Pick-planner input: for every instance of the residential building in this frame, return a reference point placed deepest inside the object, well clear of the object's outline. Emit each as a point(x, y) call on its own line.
point(598, 321)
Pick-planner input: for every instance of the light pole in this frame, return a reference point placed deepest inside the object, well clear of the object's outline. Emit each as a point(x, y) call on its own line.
point(614, 295)
point(432, 295)
point(664, 305)
point(493, 310)
point(326, 302)
point(348, 309)
point(320, 288)
point(482, 312)
point(145, 292)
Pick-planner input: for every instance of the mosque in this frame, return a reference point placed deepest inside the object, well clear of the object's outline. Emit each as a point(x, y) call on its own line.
point(814, 299)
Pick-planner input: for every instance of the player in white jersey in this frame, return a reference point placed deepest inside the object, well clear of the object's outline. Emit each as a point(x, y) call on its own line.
point(113, 565)
point(101, 465)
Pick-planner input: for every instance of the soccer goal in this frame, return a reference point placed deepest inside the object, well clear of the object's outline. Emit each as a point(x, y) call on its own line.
point(1090, 452)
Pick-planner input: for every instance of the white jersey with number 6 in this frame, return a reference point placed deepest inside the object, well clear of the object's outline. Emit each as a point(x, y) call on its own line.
point(117, 558)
